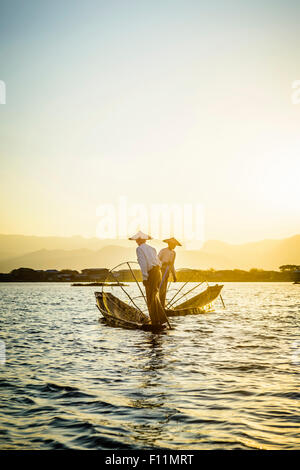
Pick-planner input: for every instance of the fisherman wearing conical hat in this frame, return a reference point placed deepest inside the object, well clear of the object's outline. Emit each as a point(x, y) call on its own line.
point(150, 267)
point(167, 257)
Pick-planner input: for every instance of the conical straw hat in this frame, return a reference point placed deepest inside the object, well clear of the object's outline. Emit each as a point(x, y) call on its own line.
point(140, 236)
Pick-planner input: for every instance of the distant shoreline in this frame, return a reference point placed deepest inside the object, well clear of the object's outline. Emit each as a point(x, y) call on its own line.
point(88, 284)
point(99, 276)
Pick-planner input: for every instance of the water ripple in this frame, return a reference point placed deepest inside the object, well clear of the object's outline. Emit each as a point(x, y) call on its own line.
point(225, 380)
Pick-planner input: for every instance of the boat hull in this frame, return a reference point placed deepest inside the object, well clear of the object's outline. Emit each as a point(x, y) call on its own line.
point(117, 313)
point(197, 304)
point(185, 311)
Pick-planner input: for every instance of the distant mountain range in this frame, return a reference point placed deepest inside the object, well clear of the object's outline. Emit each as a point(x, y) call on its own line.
point(78, 253)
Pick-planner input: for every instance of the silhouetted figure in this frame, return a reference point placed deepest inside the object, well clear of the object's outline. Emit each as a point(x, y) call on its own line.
point(150, 267)
point(167, 257)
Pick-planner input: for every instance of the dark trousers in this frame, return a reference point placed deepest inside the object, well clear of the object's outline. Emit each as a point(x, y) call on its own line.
point(165, 270)
point(156, 311)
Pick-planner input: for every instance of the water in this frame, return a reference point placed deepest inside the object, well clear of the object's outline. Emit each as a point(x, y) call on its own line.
point(228, 379)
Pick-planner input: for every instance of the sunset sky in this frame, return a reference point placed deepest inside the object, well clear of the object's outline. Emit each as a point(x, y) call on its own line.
point(158, 101)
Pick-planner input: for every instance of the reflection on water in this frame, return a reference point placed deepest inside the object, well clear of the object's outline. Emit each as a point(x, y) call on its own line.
point(228, 379)
point(151, 396)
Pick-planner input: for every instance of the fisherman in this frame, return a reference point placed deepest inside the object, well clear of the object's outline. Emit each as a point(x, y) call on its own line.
point(150, 267)
point(167, 257)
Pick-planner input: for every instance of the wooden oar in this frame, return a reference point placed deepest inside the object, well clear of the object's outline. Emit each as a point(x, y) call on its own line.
point(166, 271)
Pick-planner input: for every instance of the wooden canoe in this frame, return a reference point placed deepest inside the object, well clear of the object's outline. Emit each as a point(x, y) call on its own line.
point(118, 313)
point(196, 304)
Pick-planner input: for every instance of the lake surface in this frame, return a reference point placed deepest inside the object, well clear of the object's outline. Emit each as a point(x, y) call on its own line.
point(228, 379)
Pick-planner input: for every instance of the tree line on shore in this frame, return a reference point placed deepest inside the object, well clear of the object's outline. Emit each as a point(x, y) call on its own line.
point(286, 273)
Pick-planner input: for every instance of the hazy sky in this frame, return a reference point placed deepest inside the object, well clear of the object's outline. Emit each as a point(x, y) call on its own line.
point(158, 101)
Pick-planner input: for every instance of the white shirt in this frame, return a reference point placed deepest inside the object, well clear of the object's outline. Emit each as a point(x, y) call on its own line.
point(167, 256)
point(147, 258)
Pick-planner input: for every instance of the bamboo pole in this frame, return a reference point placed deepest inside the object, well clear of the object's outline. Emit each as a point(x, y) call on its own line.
point(137, 282)
point(136, 306)
point(177, 293)
point(195, 287)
